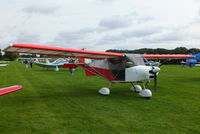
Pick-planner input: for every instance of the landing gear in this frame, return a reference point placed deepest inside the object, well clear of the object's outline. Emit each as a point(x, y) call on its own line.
point(56, 69)
point(136, 88)
point(105, 90)
point(146, 93)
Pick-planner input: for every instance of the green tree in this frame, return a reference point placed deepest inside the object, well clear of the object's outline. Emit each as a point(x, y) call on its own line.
point(11, 56)
point(194, 50)
point(180, 50)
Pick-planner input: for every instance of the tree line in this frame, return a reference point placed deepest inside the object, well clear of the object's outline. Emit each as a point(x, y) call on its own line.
point(178, 50)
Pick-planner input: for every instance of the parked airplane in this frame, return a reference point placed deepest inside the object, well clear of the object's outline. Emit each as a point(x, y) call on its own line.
point(193, 61)
point(61, 62)
point(114, 67)
point(3, 63)
point(152, 63)
point(55, 64)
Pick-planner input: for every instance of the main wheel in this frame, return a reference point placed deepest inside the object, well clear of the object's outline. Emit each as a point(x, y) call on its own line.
point(136, 88)
point(146, 93)
point(104, 91)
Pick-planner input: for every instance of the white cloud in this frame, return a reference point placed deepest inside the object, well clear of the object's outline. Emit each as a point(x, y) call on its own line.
point(115, 22)
point(40, 9)
point(101, 24)
point(24, 37)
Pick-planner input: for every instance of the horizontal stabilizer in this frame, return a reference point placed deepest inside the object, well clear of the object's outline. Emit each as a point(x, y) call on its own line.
point(10, 89)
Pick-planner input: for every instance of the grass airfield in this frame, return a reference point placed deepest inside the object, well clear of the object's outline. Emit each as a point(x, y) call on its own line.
point(59, 103)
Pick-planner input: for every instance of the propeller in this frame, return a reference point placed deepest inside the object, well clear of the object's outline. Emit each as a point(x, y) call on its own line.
point(154, 71)
point(155, 81)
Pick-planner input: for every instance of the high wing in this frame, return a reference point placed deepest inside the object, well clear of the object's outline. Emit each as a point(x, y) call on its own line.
point(68, 52)
point(7, 90)
point(57, 51)
point(167, 56)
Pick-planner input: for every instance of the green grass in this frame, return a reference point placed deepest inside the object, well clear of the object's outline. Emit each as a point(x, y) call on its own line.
point(59, 103)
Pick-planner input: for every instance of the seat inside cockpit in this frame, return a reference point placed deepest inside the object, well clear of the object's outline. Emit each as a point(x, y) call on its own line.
point(118, 65)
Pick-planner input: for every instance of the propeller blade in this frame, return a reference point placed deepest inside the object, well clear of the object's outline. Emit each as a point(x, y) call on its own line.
point(155, 81)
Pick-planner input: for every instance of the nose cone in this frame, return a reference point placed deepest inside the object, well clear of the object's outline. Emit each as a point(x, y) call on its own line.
point(155, 69)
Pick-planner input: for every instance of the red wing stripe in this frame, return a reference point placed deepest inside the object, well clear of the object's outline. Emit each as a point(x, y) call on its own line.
point(50, 48)
point(7, 90)
point(167, 56)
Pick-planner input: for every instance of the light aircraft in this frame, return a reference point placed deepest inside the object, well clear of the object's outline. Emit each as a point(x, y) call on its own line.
point(114, 67)
point(192, 61)
point(55, 64)
point(61, 62)
point(152, 63)
point(2, 63)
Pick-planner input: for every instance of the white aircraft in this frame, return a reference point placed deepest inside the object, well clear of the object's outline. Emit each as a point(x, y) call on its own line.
point(114, 67)
point(2, 63)
point(55, 64)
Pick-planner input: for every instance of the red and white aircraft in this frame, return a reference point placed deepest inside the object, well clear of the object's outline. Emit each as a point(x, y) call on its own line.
point(114, 67)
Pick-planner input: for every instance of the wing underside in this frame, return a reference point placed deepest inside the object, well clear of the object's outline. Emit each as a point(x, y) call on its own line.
point(56, 51)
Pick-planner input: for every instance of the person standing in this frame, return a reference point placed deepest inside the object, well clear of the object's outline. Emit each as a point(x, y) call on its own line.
point(31, 63)
point(26, 63)
point(71, 70)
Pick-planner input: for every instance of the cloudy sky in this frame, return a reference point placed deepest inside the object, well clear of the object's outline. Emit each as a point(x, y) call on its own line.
point(101, 24)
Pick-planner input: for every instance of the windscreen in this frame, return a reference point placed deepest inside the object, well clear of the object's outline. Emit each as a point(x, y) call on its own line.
point(137, 59)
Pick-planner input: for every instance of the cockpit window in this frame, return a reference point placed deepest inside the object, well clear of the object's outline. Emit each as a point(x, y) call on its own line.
point(136, 59)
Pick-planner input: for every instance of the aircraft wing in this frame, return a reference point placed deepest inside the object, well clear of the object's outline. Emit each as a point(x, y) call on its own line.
point(7, 90)
point(68, 52)
point(167, 56)
point(57, 51)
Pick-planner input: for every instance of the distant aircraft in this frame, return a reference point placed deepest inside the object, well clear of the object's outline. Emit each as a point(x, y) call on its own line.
point(152, 63)
point(114, 67)
point(61, 62)
point(2, 63)
point(56, 64)
point(191, 62)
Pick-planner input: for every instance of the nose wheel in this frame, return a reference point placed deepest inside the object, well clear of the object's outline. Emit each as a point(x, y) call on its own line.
point(146, 93)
